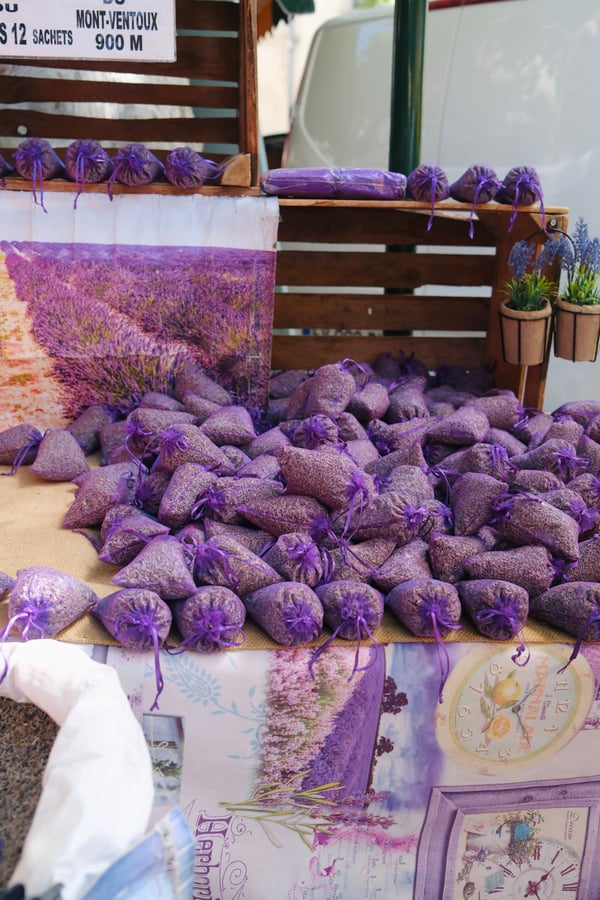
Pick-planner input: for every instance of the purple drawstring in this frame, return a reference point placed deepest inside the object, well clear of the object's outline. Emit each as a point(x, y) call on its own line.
point(507, 616)
point(594, 617)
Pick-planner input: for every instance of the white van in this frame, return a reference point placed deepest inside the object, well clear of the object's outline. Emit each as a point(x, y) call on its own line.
point(506, 82)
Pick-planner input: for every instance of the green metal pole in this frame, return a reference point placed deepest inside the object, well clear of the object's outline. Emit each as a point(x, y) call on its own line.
point(407, 85)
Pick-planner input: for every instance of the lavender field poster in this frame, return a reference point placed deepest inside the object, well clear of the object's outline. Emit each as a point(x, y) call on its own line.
point(322, 785)
point(101, 303)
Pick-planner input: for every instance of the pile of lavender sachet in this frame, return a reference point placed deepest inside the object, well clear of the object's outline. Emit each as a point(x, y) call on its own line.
point(359, 489)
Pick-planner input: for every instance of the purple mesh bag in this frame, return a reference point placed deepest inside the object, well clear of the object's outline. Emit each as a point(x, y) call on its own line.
point(478, 184)
point(186, 168)
point(135, 164)
point(36, 161)
point(429, 184)
point(86, 161)
point(521, 187)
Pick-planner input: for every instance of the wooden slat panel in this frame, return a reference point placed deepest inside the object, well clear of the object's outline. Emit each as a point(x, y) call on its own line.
point(55, 90)
point(198, 56)
point(390, 270)
point(185, 131)
point(308, 351)
point(377, 225)
point(380, 312)
point(216, 43)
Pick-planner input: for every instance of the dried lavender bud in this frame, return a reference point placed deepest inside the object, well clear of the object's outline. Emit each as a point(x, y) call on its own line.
point(478, 184)
point(150, 489)
point(134, 164)
point(112, 438)
point(534, 481)
point(36, 161)
point(587, 567)
point(428, 608)
point(574, 608)
point(327, 474)
point(264, 466)
point(254, 539)
point(530, 567)
point(410, 482)
point(127, 536)
point(428, 183)
point(97, 491)
point(19, 445)
point(521, 187)
point(86, 427)
point(278, 515)
point(588, 449)
point(185, 442)
point(406, 404)
point(162, 566)
point(330, 390)
point(139, 620)
point(297, 557)
point(498, 609)
point(511, 444)
point(227, 494)
point(282, 384)
point(404, 563)
point(528, 519)
point(471, 499)
point(463, 427)
point(362, 452)
point(352, 611)
point(191, 378)
point(349, 428)
point(198, 406)
point(212, 619)
point(312, 432)
point(267, 442)
point(86, 161)
point(43, 601)
point(225, 561)
point(588, 487)
point(59, 457)
point(448, 552)
point(187, 169)
point(160, 400)
point(386, 515)
point(369, 402)
point(360, 561)
point(230, 424)
point(186, 484)
point(553, 455)
point(289, 612)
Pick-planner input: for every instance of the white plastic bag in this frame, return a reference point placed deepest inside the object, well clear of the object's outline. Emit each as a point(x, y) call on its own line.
point(97, 787)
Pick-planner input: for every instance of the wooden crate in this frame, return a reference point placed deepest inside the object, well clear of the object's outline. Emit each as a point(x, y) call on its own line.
point(206, 99)
point(347, 273)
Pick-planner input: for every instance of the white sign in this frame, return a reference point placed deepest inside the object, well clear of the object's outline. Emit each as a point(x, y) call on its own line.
point(88, 29)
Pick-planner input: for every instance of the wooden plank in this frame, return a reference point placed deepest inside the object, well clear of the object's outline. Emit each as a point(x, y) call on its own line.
point(55, 90)
point(158, 187)
point(193, 130)
point(308, 351)
point(198, 56)
point(380, 312)
point(389, 270)
point(248, 80)
point(368, 225)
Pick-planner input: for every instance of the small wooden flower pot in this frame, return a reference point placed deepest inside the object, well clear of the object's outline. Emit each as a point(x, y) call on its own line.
point(576, 331)
point(525, 335)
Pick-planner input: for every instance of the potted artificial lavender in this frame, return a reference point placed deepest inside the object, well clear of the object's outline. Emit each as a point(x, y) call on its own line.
point(577, 308)
point(526, 311)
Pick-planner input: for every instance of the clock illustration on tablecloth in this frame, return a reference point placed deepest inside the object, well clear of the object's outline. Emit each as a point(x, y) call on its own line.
point(528, 841)
point(498, 716)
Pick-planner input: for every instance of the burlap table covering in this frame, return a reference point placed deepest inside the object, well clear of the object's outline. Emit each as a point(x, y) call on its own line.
point(31, 533)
